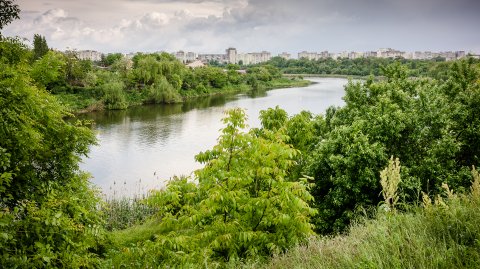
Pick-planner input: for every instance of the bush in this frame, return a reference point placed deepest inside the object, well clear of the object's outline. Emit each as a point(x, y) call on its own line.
point(243, 206)
point(440, 235)
point(162, 92)
point(48, 215)
point(114, 95)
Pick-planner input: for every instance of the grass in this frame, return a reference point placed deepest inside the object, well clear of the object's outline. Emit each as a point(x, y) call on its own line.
point(134, 234)
point(445, 234)
point(125, 212)
point(440, 236)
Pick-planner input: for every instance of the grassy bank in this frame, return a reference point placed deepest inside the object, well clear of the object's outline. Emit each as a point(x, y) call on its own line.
point(89, 99)
point(443, 235)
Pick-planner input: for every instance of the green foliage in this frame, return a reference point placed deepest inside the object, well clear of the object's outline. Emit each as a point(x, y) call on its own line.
point(242, 207)
point(273, 119)
point(443, 235)
point(48, 71)
point(40, 47)
point(48, 214)
point(360, 66)
point(13, 50)
point(75, 69)
point(439, 238)
point(150, 68)
point(114, 95)
point(8, 12)
point(162, 92)
point(121, 213)
point(147, 78)
point(62, 229)
point(111, 59)
point(428, 124)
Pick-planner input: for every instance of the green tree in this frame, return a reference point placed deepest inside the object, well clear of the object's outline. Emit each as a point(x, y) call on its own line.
point(111, 58)
point(8, 12)
point(114, 95)
point(429, 125)
point(149, 68)
point(75, 69)
point(243, 207)
point(48, 71)
point(40, 47)
point(48, 214)
point(162, 92)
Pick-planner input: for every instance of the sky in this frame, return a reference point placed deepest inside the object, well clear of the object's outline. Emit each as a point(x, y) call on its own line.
point(211, 26)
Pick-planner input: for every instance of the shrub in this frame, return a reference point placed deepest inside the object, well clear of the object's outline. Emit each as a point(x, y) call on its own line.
point(243, 206)
point(114, 95)
point(162, 92)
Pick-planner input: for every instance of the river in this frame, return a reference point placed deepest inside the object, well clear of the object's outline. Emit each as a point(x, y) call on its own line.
point(141, 148)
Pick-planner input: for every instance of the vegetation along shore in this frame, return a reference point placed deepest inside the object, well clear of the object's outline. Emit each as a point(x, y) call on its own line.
point(388, 180)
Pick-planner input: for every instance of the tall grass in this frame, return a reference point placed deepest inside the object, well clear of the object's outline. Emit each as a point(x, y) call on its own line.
point(123, 211)
point(442, 234)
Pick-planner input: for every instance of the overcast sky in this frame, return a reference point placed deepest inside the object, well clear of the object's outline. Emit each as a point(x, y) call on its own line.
point(210, 26)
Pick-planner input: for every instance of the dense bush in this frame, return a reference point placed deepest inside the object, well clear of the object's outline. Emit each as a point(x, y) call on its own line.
point(114, 95)
point(162, 92)
point(429, 125)
point(48, 214)
point(444, 234)
point(242, 207)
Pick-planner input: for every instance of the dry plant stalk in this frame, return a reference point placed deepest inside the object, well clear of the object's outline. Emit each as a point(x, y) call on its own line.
point(389, 179)
point(427, 202)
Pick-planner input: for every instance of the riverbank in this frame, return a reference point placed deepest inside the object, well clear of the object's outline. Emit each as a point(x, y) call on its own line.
point(133, 143)
point(84, 100)
point(330, 76)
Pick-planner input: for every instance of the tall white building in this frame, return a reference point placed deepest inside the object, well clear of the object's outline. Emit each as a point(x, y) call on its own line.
point(185, 57)
point(91, 55)
point(231, 55)
point(205, 58)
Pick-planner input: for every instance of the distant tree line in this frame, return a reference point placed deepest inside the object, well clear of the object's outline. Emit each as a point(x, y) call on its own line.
point(117, 82)
point(437, 67)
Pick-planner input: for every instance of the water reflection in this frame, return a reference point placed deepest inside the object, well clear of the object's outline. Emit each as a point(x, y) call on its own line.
point(150, 144)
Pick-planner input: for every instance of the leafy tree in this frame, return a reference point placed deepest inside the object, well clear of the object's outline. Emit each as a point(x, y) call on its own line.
point(429, 125)
point(150, 68)
point(49, 70)
point(114, 95)
point(75, 69)
point(243, 206)
point(111, 58)
point(162, 92)
point(8, 12)
point(13, 51)
point(40, 47)
point(48, 214)
point(273, 119)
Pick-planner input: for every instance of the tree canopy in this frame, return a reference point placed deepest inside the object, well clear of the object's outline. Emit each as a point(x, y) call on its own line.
point(9, 11)
point(40, 46)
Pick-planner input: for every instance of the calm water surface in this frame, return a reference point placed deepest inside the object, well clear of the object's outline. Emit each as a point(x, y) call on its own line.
point(142, 147)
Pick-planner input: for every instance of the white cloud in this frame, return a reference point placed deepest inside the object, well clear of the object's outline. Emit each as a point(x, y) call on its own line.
point(250, 25)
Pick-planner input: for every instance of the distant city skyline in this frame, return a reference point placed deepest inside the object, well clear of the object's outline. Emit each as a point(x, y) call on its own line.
point(233, 56)
point(268, 25)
